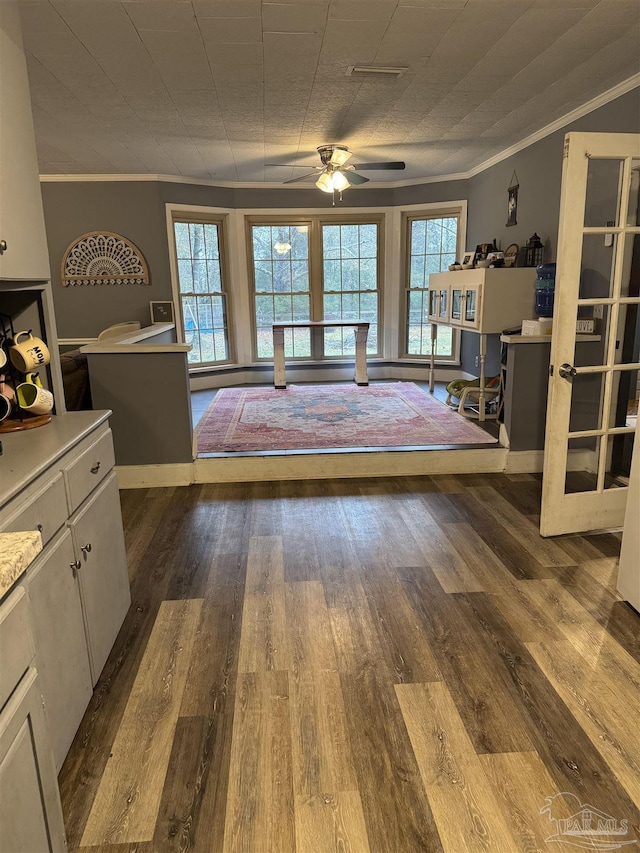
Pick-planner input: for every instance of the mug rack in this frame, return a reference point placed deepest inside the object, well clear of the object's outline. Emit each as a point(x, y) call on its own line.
point(10, 375)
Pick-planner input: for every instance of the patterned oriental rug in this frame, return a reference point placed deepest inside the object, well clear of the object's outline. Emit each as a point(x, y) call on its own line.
point(306, 417)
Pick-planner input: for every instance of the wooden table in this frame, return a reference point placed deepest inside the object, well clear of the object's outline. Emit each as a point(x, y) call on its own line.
point(361, 332)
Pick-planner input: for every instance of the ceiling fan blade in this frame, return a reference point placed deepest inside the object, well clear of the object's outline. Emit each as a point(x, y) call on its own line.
point(355, 178)
point(291, 165)
point(302, 177)
point(394, 164)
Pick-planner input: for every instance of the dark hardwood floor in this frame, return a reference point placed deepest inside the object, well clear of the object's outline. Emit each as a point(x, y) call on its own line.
point(360, 665)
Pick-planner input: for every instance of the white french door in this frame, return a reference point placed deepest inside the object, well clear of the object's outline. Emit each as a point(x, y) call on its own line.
point(593, 378)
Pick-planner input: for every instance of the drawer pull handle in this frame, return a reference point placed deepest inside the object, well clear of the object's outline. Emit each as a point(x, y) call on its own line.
point(40, 528)
point(76, 566)
point(95, 468)
point(86, 549)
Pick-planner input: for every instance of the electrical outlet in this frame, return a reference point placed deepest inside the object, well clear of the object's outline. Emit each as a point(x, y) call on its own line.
point(608, 238)
point(477, 361)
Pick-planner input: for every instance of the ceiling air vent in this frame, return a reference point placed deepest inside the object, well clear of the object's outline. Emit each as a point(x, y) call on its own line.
point(375, 70)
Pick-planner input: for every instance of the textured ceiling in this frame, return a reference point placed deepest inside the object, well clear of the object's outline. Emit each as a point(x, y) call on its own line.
point(215, 89)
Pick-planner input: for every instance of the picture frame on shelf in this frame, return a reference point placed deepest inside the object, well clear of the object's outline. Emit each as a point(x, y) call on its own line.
point(161, 312)
point(468, 259)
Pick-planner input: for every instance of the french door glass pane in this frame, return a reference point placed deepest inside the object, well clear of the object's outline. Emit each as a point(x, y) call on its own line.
point(350, 284)
point(432, 247)
point(602, 203)
point(203, 302)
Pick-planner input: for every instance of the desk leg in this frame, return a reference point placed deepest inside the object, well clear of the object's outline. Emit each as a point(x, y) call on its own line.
point(361, 377)
point(432, 362)
point(483, 358)
point(279, 378)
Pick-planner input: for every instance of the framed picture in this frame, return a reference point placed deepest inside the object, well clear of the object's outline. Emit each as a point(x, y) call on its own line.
point(467, 260)
point(512, 201)
point(161, 312)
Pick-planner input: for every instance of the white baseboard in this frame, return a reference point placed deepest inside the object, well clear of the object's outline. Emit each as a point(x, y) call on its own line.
point(154, 476)
point(258, 375)
point(532, 461)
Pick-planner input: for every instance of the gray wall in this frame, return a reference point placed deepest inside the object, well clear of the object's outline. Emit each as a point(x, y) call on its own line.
point(539, 170)
point(136, 210)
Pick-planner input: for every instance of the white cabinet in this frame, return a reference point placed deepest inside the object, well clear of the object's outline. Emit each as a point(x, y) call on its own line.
point(104, 581)
point(30, 811)
point(78, 587)
point(21, 215)
point(59, 635)
point(487, 301)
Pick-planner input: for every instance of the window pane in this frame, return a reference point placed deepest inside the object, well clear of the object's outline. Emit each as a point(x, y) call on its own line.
point(282, 276)
point(418, 236)
point(264, 310)
point(196, 233)
point(300, 307)
point(331, 241)
point(183, 248)
point(214, 277)
point(300, 275)
point(332, 306)
point(417, 271)
point(211, 241)
point(349, 241)
point(332, 277)
point(185, 276)
point(263, 275)
point(368, 274)
point(200, 283)
point(368, 241)
point(261, 242)
point(300, 242)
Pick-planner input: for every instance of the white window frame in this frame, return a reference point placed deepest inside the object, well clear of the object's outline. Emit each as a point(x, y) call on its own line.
point(202, 215)
point(407, 215)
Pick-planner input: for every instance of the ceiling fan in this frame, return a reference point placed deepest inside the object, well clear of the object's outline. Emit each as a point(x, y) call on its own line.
point(335, 174)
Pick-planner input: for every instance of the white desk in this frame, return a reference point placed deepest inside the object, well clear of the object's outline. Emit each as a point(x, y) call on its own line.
point(361, 332)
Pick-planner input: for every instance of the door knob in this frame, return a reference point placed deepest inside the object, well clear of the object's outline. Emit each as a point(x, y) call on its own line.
point(567, 371)
point(76, 566)
point(86, 549)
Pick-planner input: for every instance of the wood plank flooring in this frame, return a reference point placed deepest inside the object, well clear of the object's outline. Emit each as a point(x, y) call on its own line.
point(382, 665)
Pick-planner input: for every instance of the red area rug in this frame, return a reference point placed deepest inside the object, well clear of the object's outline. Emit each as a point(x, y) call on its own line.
point(306, 417)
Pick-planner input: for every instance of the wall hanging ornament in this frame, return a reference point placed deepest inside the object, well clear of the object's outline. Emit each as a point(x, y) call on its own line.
point(102, 257)
point(512, 200)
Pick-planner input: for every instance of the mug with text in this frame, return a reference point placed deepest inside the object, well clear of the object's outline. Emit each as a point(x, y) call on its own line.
point(30, 353)
point(32, 397)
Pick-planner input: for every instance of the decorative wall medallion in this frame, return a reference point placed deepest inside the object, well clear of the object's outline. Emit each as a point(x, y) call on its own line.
point(102, 257)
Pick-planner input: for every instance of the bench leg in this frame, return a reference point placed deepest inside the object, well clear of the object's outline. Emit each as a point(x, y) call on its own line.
point(279, 377)
point(361, 377)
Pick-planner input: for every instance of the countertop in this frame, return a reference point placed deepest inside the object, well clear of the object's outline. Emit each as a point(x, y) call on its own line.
point(29, 453)
point(17, 551)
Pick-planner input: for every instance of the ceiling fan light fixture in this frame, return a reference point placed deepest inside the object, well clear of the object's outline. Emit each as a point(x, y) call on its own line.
point(340, 156)
point(325, 182)
point(340, 181)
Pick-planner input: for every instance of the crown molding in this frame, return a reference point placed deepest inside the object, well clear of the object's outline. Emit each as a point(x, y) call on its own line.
point(595, 103)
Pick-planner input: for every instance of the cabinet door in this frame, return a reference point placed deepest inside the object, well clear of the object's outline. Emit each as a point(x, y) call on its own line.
point(104, 580)
point(434, 299)
point(61, 645)
point(30, 811)
point(457, 301)
point(472, 306)
point(21, 215)
point(443, 305)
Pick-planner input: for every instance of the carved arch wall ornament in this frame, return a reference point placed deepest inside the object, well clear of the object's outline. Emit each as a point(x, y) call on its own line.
point(102, 257)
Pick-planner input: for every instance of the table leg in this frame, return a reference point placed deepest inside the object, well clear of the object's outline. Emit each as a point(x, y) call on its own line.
point(279, 377)
point(483, 358)
point(432, 362)
point(361, 333)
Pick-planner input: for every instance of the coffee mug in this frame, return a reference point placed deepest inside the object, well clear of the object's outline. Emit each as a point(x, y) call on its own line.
point(30, 353)
point(3, 358)
point(32, 397)
point(5, 407)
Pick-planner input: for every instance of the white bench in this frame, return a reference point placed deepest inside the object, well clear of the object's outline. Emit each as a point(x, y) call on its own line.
point(361, 332)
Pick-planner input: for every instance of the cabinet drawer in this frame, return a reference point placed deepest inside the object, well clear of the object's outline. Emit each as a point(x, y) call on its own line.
point(16, 643)
point(46, 512)
point(89, 469)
